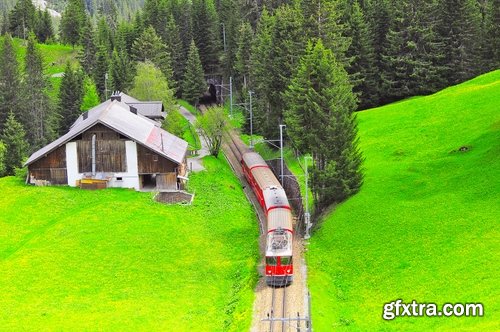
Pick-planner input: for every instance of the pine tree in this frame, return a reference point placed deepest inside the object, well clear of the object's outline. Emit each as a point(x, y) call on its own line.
point(360, 51)
point(287, 48)
point(87, 54)
point(22, 19)
point(73, 20)
point(104, 35)
point(101, 71)
point(43, 27)
point(491, 45)
point(411, 55)
point(243, 55)
point(322, 20)
point(206, 34)
point(262, 67)
point(193, 85)
point(182, 11)
point(150, 47)
point(174, 48)
point(320, 121)
point(458, 28)
point(37, 115)
point(9, 81)
point(70, 98)
point(13, 137)
point(379, 18)
point(120, 71)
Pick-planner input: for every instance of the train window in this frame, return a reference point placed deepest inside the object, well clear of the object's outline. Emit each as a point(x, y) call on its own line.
point(286, 260)
point(273, 261)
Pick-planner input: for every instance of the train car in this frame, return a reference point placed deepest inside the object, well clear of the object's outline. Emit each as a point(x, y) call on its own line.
point(279, 237)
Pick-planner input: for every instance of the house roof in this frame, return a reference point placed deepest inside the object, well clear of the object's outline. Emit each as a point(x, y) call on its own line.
point(115, 115)
point(150, 109)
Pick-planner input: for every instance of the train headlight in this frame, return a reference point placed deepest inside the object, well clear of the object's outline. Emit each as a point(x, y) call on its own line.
point(288, 271)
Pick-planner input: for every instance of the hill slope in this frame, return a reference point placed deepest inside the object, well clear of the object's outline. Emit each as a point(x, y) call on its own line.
point(424, 226)
point(113, 259)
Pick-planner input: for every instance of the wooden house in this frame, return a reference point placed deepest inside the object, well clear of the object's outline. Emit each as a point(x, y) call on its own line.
point(112, 145)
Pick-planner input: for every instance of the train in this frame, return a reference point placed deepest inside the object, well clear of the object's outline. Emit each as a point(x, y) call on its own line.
point(279, 227)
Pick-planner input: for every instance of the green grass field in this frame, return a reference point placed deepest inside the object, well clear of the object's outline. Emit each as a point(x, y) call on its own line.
point(424, 226)
point(114, 259)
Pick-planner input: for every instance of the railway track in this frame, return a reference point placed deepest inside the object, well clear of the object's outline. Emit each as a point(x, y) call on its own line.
point(278, 310)
point(282, 299)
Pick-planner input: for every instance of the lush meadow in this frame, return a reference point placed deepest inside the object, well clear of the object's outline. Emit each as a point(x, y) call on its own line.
point(425, 225)
point(116, 260)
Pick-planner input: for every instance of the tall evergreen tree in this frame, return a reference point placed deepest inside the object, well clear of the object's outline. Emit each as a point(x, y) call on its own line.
point(73, 20)
point(37, 115)
point(22, 19)
point(360, 53)
point(105, 35)
point(379, 18)
point(150, 47)
point(100, 73)
point(70, 98)
point(43, 27)
point(287, 48)
point(182, 11)
point(243, 64)
point(120, 71)
point(193, 85)
point(459, 30)
point(206, 34)
point(262, 67)
point(173, 44)
point(320, 120)
point(491, 45)
point(88, 52)
point(411, 56)
point(13, 137)
point(10, 82)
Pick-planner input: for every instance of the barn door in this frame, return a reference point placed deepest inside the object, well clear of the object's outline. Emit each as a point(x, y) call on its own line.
point(166, 181)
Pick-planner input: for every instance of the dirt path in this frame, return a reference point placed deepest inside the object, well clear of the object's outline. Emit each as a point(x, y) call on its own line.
point(195, 164)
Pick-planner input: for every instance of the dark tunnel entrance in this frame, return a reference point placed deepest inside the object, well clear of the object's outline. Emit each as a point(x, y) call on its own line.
point(210, 96)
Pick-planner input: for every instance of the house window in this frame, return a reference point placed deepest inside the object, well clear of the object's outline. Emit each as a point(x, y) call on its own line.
point(155, 158)
point(119, 178)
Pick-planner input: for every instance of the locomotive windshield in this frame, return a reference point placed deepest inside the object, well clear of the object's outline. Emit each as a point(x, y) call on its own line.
point(286, 260)
point(273, 261)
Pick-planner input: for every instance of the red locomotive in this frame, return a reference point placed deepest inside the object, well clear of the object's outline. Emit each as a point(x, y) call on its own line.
point(272, 198)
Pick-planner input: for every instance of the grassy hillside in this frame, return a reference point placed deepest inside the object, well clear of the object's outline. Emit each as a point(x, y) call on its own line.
point(115, 260)
point(55, 57)
point(425, 225)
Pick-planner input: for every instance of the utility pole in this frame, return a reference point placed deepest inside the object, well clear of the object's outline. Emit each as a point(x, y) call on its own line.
point(281, 151)
point(251, 120)
point(106, 86)
point(231, 96)
point(307, 215)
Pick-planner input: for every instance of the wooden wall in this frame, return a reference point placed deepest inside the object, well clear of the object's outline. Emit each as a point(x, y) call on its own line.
point(51, 168)
point(150, 162)
point(110, 151)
